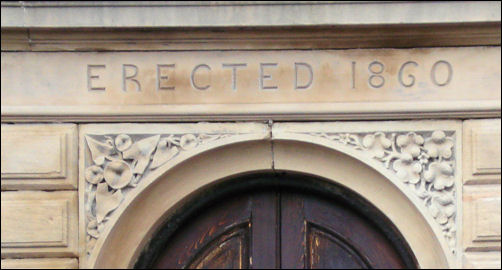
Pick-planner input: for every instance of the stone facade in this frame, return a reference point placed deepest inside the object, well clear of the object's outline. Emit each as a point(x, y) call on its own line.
point(189, 93)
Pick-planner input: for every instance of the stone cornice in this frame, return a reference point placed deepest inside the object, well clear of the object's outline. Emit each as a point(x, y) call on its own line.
point(248, 14)
point(250, 38)
point(255, 112)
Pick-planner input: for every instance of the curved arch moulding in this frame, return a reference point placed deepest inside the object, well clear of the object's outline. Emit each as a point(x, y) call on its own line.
point(133, 176)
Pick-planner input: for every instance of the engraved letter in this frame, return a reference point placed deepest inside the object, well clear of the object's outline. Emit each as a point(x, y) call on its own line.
point(309, 83)
point(90, 77)
point(433, 73)
point(266, 76)
point(161, 77)
point(129, 77)
point(376, 74)
point(400, 76)
point(234, 73)
point(192, 80)
point(353, 74)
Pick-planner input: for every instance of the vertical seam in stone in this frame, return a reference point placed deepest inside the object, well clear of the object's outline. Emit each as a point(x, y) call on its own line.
point(270, 124)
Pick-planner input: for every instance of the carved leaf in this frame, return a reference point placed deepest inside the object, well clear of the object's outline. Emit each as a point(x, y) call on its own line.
point(208, 137)
point(91, 196)
point(106, 201)
point(188, 141)
point(140, 152)
point(99, 150)
point(92, 228)
point(90, 245)
point(165, 151)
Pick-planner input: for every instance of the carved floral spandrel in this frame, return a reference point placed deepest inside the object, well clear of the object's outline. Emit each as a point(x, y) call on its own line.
point(424, 161)
point(118, 163)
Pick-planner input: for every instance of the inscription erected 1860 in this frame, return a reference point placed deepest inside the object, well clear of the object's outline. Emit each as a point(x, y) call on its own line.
point(432, 79)
point(375, 75)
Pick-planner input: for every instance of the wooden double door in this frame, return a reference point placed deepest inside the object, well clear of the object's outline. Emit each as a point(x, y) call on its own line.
point(281, 228)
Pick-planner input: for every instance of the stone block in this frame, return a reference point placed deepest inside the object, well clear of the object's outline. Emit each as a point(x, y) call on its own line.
point(39, 156)
point(482, 151)
point(46, 263)
point(39, 224)
point(482, 260)
point(481, 217)
point(201, 85)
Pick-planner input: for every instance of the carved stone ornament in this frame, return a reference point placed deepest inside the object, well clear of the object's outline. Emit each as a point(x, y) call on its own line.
point(424, 161)
point(118, 163)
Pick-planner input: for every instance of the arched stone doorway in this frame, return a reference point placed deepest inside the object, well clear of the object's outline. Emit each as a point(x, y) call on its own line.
point(135, 222)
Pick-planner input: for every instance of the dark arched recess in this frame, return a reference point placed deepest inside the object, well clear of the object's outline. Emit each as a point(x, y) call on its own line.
point(225, 188)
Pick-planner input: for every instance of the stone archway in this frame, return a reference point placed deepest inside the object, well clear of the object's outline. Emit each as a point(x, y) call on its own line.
point(160, 193)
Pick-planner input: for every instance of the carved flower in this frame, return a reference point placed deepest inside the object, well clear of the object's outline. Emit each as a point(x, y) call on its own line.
point(117, 174)
point(438, 145)
point(410, 143)
point(123, 142)
point(94, 174)
point(407, 170)
point(188, 141)
point(442, 207)
point(376, 144)
point(441, 174)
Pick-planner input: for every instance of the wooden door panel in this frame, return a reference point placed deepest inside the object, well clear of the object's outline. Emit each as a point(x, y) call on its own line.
point(358, 234)
point(228, 251)
point(265, 230)
point(293, 250)
point(203, 231)
point(279, 228)
point(356, 231)
point(327, 250)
